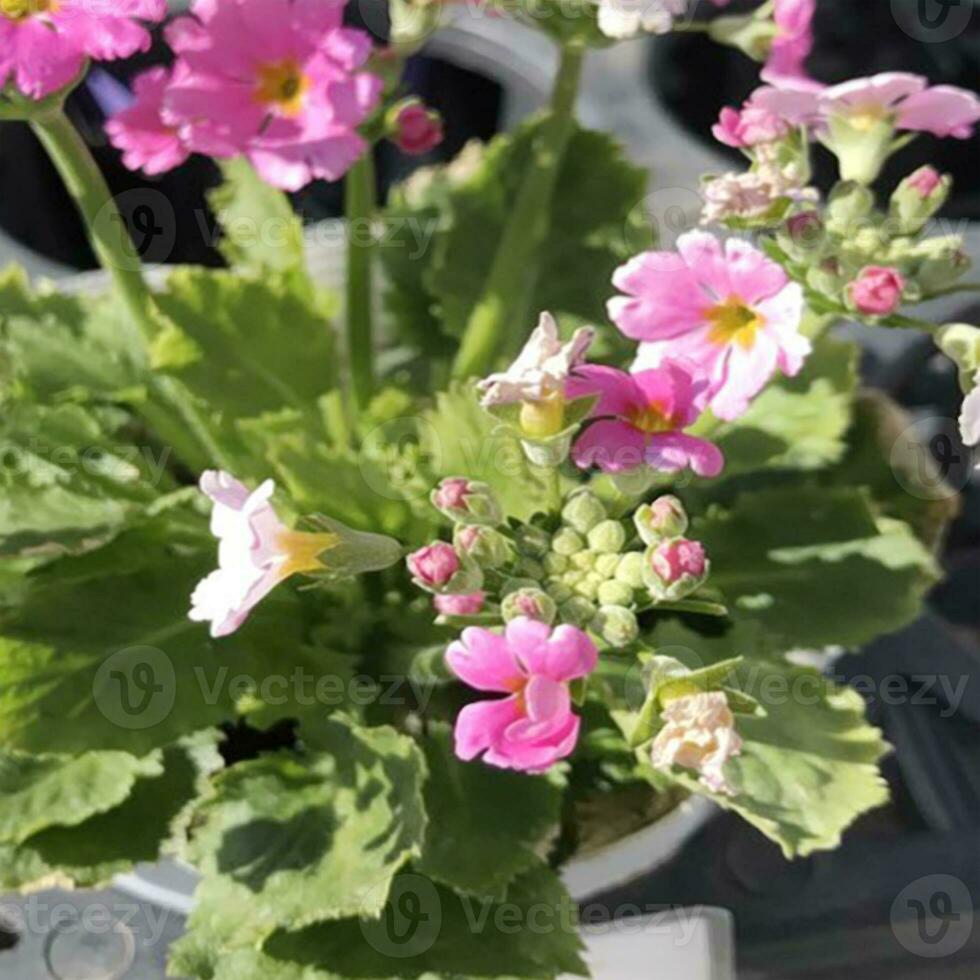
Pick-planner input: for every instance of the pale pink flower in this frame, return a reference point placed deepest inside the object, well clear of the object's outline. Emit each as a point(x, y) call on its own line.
point(418, 130)
point(541, 369)
point(673, 560)
point(44, 43)
point(256, 552)
point(786, 64)
point(459, 605)
point(749, 126)
point(147, 142)
point(275, 80)
point(699, 734)
point(747, 196)
point(728, 310)
point(877, 291)
point(970, 415)
point(534, 726)
point(925, 181)
point(434, 566)
point(640, 420)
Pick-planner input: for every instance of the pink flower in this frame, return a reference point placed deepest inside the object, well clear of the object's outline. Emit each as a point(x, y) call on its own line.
point(748, 127)
point(786, 64)
point(640, 420)
point(256, 552)
point(418, 129)
point(451, 494)
point(276, 80)
point(44, 43)
point(147, 142)
point(925, 181)
point(729, 311)
point(434, 566)
point(877, 291)
point(534, 726)
point(459, 605)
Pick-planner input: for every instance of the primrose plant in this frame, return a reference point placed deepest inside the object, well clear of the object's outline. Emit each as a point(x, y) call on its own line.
point(418, 611)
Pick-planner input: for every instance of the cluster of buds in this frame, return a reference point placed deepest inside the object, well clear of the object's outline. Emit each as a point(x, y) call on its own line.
point(866, 262)
point(592, 571)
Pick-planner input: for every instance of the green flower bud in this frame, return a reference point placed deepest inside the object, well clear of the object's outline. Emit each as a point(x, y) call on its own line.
point(583, 512)
point(630, 570)
point(529, 568)
point(573, 576)
point(751, 35)
point(484, 545)
point(960, 342)
point(613, 593)
point(588, 588)
point(532, 603)
point(584, 560)
point(664, 518)
point(567, 542)
point(917, 199)
point(606, 565)
point(516, 584)
point(577, 611)
point(559, 591)
point(533, 541)
point(555, 564)
point(616, 625)
point(607, 537)
point(467, 501)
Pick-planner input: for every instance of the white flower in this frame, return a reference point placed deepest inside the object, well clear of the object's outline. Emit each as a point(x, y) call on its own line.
point(970, 416)
point(623, 19)
point(699, 734)
point(541, 369)
point(256, 552)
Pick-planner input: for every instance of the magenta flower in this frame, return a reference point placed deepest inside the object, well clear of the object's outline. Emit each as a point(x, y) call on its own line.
point(730, 312)
point(418, 130)
point(534, 726)
point(786, 64)
point(459, 605)
point(877, 291)
point(147, 142)
point(275, 80)
point(640, 420)
point(44, 43)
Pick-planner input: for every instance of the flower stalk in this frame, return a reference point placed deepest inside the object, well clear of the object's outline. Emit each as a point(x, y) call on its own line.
point(360, 205)
point(500, 315)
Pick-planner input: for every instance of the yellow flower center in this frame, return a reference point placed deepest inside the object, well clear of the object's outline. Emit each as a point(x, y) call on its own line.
point(22, 9)
point(865, 117)
point(543, 418)
point(732, 322)
point(653, 418)
point(303, 551)
point(282, 84)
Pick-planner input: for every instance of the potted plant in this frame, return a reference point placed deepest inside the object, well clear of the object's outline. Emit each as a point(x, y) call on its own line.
point(378, 637)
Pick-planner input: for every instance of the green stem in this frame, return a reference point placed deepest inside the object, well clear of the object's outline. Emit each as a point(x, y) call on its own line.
point(361, 205)
point(502, 309)
point(118, 256)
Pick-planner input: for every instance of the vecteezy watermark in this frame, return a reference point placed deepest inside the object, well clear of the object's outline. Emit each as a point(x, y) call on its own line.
point(929, 460)
point(144, 224)
point(136, 687)
point(411, 921)
point(933, 21)
point(933, 916)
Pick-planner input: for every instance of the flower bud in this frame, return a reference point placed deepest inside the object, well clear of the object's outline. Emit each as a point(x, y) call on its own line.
point(630, 570)
point(559, 591)
point(555, 564)
point(607, 537)
point(532, 541)
point(588, 587)
point(606, 565)
point(877, 291)
point(532, 603)
point(438, 568)
point(467, 501)
point(459, 605)
point(584, 560)
point(674, 569)
point(613, 593)
point(577, 611)
point(960, 342)
point(805, 230)
point(484, 545)
point(664, 518)
point(617, 625)
point(918, 198)
point(416, 129)
point(567, 542)
point(583, 512)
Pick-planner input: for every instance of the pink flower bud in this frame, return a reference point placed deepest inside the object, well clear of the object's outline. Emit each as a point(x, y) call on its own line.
point(672, 560)
point(877, 291)
point(417, 129)
point(434, 566)
point(751, 126)
point(467, 500)
point(664, 518)
point(459, 605)
point(925, 181)
point(451, 494)
point(805, 228)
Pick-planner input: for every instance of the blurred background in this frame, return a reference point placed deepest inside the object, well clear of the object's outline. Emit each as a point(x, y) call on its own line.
point(898, 899)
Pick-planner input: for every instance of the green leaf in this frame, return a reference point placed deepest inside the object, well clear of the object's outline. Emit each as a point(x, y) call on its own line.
point(426, 933)
point(40, 791)
point(260, 231)
point(814, 565)
point(135, 830)
point(99, 653)
point(797, 423)
point(284, 841)
point(68, 482)
point(486, 825)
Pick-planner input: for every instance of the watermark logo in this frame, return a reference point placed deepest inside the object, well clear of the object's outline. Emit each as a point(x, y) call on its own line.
point(929, 460)
point(410, 922)
point(932, 21)
point(136, 687)
point(933, 916)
